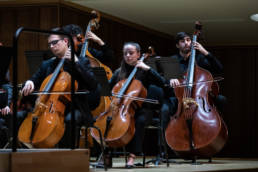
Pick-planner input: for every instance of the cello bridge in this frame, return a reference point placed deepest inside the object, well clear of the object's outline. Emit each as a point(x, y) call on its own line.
point(187, 102)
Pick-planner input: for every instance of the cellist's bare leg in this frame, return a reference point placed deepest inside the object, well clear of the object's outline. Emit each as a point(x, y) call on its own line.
point(130, 161)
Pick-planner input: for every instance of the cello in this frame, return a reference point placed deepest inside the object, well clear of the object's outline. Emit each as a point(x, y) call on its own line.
point(117, 124)
point(196, 130)
point(44, 127)
point(94, 24)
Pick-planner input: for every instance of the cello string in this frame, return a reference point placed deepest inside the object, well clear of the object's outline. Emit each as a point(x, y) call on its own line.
point(199, 82)
point(57, 92)
point(137, 98)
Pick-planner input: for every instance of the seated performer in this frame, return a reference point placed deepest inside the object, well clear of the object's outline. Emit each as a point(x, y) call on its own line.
point(204, 59)
point(59, 45)
point(5, 101)
point(5, 110)
point(105, 54)
point(147, 76)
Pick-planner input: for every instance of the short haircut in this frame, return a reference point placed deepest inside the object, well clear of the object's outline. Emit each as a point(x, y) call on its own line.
point(72, 29)
point(58, 29)
point(180, 35)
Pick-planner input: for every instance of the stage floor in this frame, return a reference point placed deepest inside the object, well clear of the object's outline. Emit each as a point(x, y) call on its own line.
point(217, 164)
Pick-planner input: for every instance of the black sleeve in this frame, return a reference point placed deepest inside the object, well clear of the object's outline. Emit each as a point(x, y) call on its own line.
point(39, 76)
point(155, 78)
point(211, 63)
point(84, 69)
point(114, 78)
point(161, 82)
point(105, 54)
point(9, 90)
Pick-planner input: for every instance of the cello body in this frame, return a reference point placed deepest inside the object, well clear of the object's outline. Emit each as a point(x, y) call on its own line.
point(196, 130)
point(104, 100)
point(94, 24)
point(207, 133)
point(121, 129)
point(44, 127)
point(117, 124)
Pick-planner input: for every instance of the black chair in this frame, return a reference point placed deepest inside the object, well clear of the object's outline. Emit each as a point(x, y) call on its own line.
point(156, 125)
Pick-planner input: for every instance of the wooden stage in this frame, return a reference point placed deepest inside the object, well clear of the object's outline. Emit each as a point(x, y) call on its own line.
point(217, 164)
point(77, 160)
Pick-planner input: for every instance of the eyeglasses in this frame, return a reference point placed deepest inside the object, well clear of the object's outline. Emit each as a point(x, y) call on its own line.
point(53, 42)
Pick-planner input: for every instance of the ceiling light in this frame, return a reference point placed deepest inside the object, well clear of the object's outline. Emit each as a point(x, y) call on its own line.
point(254, 17)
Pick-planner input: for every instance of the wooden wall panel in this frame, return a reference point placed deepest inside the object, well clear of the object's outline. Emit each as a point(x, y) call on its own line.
point(116, 34)
point(39, 17)
point(29, 18)
point(7, 26)
point(239, 86)
point(48, 19)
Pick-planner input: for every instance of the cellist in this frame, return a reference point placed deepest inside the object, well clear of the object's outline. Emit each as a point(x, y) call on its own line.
point(105, 54)
point(204, 59)
point(59, 46)
point(5, 109)
point(147, 76)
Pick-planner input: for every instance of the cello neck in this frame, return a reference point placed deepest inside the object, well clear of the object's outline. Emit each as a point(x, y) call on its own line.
point(129, 79)
point(54, 76)
point(86, 42)
point(191, 64)
point(190, 71)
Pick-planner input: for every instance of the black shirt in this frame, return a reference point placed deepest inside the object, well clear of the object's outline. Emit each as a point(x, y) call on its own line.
point(82, 74)
point(146, 77)
point(209, 62)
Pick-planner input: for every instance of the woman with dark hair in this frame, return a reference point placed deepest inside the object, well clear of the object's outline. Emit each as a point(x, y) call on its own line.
point(147, 76)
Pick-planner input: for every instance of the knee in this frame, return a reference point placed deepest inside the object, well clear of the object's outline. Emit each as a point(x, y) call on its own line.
point(220, 99)
point(164, 109)
point(77, 117)
point(140, 121)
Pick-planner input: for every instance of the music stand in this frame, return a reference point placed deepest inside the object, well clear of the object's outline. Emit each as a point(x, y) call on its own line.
point(169, 68)
point(152, 62)
point(101, 77)
point(5, 58)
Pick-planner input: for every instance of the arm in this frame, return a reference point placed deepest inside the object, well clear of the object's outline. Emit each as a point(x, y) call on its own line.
point(207, 60)
point(8, 88)
point(210, 63)
point(153, 77)
point(82, 66)
point(39, 76)
point(114, 78)
point(105, 54)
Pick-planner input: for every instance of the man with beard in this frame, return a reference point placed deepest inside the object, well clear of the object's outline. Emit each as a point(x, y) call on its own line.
point(204, 59)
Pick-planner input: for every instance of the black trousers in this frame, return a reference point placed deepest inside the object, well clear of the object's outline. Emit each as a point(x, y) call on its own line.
point(82, 116)
point(143, 117)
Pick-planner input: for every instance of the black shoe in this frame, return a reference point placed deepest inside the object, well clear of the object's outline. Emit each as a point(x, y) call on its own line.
point(129, 166)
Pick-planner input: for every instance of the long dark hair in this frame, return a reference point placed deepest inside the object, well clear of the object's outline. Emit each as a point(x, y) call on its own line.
point(126, 69)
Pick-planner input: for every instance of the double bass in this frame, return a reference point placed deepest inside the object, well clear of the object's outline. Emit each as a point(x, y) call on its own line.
point(94, 24)
point(44, 127)
point(117, 124)
point(196, 130)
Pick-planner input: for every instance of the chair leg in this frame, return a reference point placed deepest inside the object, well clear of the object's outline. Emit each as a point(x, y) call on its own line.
point(143, 160)
point(125, 155)
point(164, 145)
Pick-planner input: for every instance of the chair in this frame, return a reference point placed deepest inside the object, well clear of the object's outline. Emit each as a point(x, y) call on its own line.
point(156, 125)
